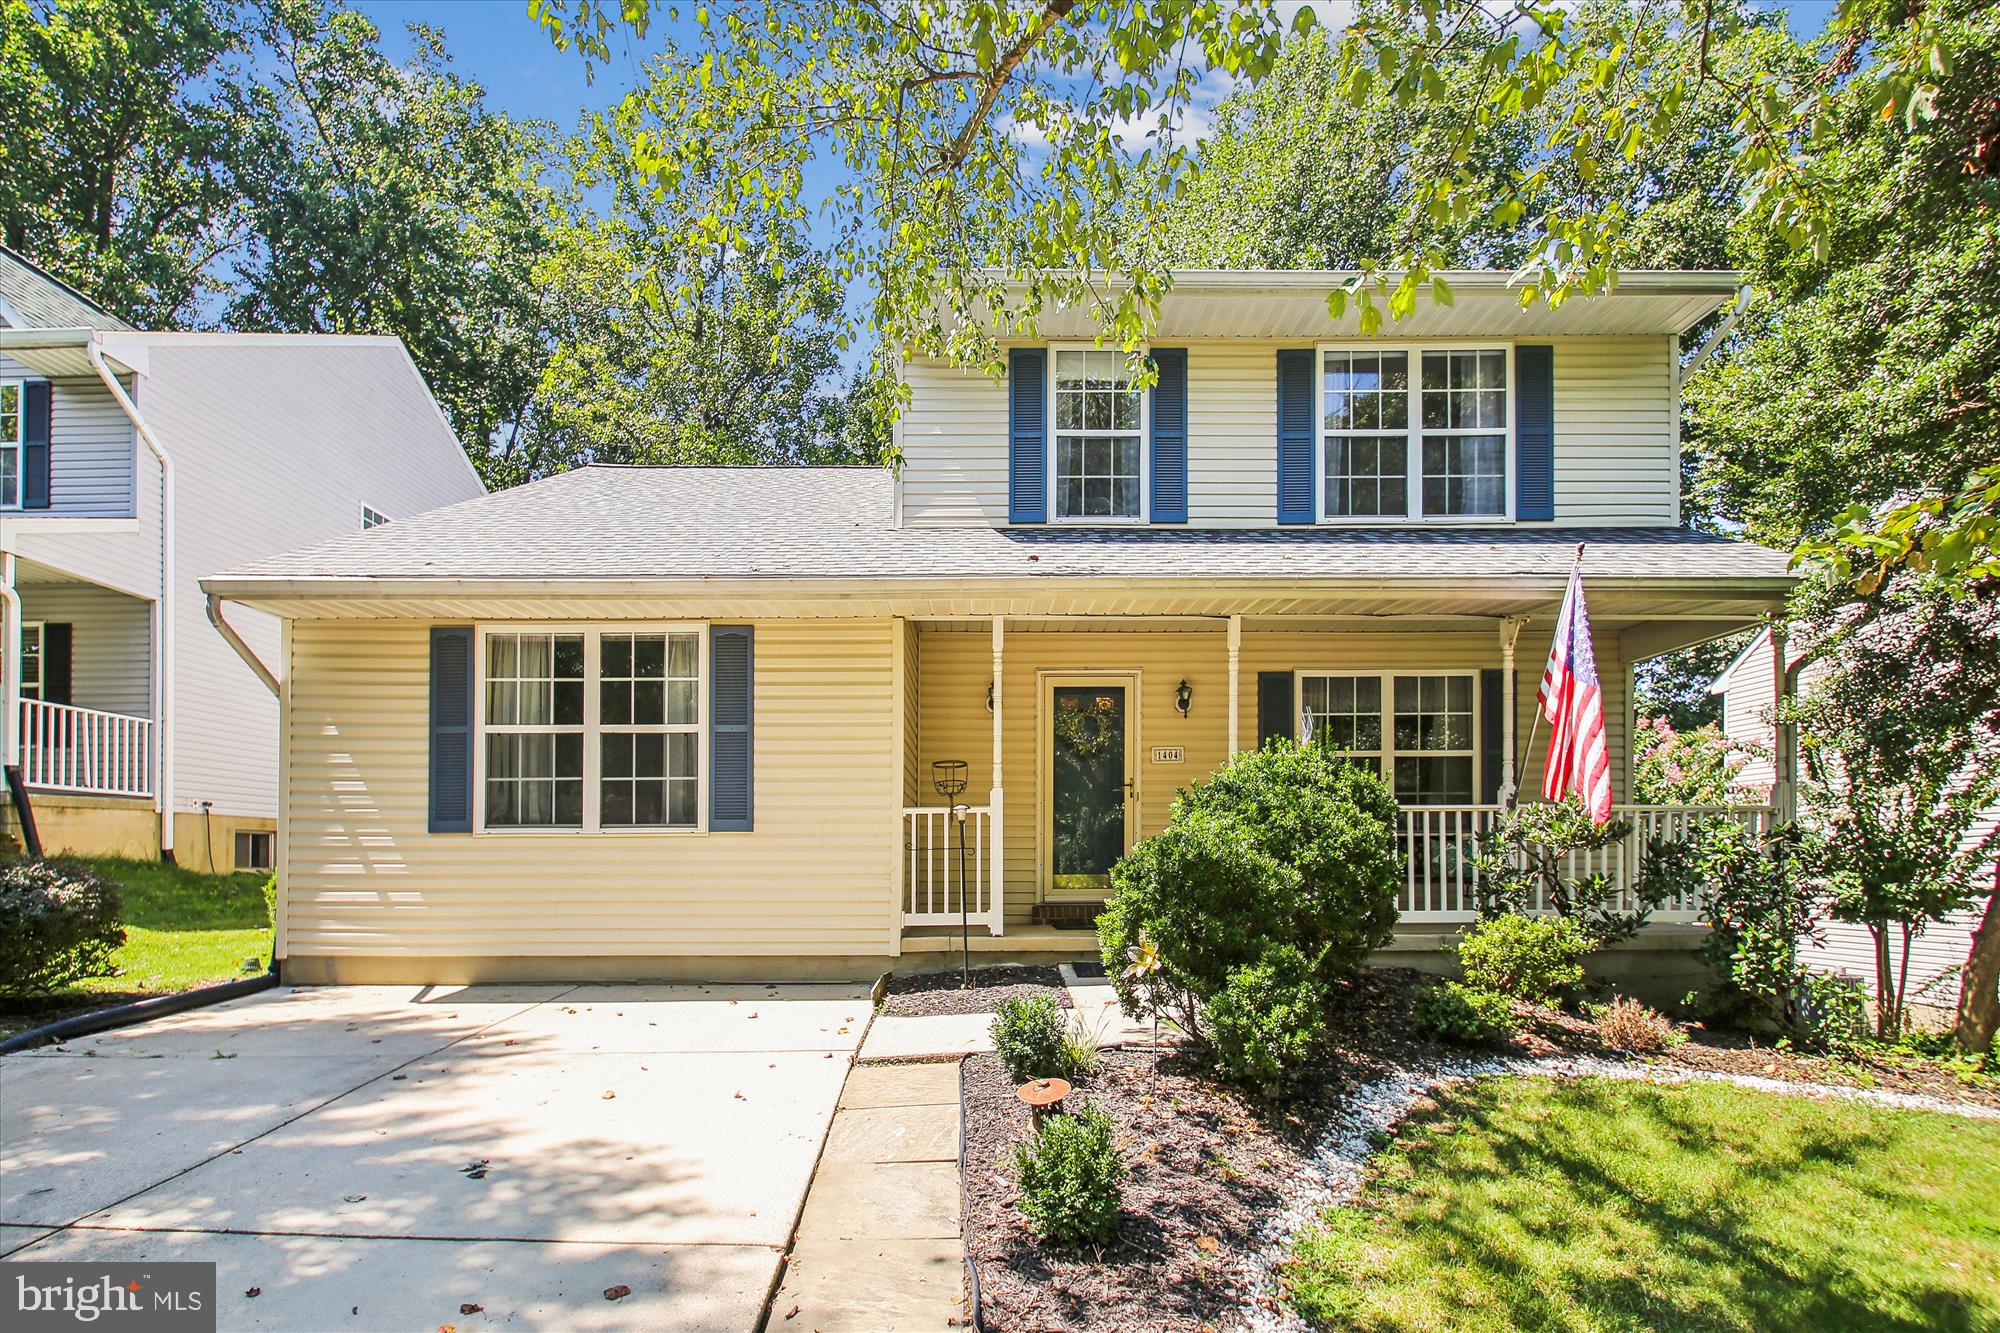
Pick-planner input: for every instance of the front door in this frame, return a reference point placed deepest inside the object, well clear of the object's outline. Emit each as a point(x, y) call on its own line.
point(1089, 786)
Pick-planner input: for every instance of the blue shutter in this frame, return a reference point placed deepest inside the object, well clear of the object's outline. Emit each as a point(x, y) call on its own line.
point(1295, 435)
point(1492, 717)
point(1535, 432)
point(1170, 436)
point(1028, 435)
point(451, 728)
point(731, 678)
point(35, 444)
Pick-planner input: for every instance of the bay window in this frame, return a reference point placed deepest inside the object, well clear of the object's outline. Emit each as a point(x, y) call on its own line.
point(1099, 435)
point(591, 729)
point(1413, 433)
point(1419, 731)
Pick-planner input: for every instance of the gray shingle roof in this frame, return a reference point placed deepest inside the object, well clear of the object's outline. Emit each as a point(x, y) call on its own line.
point(809, 523)
point(44, 302)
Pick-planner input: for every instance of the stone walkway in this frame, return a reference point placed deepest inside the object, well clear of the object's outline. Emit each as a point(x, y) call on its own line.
point(881, 1246)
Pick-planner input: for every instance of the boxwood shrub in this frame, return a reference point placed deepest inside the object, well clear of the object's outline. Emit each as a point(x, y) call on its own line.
point(58, 924)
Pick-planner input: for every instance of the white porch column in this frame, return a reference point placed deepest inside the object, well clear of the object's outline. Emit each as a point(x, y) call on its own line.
point(1510, 634)
point(1235, 652)
point(996, 920)
point(10, 670)
point(1784, 736)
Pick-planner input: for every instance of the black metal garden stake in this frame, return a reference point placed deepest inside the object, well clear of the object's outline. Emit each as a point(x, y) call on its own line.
point(948, 777)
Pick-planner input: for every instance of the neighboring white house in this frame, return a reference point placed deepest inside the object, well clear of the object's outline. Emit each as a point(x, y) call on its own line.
point(1847, 950)
point(692, 721)
point(132, 464)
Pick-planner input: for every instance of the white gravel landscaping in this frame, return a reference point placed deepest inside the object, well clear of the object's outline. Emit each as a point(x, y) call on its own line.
point(1351, 1133)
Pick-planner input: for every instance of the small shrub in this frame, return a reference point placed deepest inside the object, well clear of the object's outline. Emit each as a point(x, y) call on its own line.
point(1627, 1025)
point(1523, 865)
point(58, 924)
point(1457, 1012)
point(1831, 1014)
point(271, 900)
point(1079, 1052)
point(1263, 1025)
point(1071, 1177)
point(1537, 959)
point(1029, 1035)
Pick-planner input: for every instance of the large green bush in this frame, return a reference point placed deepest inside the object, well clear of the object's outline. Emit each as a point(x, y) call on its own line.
point(1537, 959)
point(1071, 1178)
point(1290, 846)
point(58, 924)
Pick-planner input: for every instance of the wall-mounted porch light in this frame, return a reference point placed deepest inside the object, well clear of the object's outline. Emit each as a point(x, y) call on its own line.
point(1184, 698)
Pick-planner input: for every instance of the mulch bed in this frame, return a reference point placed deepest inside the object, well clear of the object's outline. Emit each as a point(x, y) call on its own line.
point(925, 993)
point(1208, 1166)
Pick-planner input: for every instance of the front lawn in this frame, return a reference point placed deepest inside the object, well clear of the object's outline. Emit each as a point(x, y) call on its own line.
point(1530, 1203)
point(182, 929)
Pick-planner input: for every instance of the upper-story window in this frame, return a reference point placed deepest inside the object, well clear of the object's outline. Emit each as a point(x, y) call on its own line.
point(1100, 425)
point(10, 445)
point(372, 517)
point(1414, 433)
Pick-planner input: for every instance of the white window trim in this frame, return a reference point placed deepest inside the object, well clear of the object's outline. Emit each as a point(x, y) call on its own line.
point(593, 759)
point(22, 684)
point(1049, 461)
point(18, 445)
point(370, 511)
point(1414, 458)
point(1387, 756)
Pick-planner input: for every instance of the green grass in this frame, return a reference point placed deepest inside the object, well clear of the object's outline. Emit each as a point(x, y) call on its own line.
point(182, 930)
point(1601, 1204)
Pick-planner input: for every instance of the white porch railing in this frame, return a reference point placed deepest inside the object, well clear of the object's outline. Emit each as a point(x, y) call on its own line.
point(64, 748)
point(933, 883)
point(1439, 843)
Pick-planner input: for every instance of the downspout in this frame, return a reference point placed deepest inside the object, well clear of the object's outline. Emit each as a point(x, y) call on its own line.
point(243, 650)
point(10, 746)
point(163, 693)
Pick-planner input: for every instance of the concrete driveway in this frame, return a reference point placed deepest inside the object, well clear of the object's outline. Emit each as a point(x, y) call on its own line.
point(376, 1157)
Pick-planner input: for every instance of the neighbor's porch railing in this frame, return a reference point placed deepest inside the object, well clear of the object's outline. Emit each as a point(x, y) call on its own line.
point(64, 748)
point(1439, 843)
point(933, 884)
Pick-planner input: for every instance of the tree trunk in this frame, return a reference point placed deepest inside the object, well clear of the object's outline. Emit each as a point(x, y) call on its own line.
point(1979, 982)
point(1885, 990)
point(1902, 980)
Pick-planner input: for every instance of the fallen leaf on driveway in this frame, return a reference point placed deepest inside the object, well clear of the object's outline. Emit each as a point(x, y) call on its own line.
point(608, 1095)
point(792, 1313)
point(617, 1293)
point(353, 1198)
point(470, 1308)
point(397, 1078)
point(223, 1055)
point(254, 1291)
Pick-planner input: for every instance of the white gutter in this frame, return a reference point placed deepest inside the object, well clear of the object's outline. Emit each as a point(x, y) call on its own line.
point(243, 650)
point(164, 686)
point(1722, 331)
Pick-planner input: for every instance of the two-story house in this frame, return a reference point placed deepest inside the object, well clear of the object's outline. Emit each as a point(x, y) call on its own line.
point(696, 721)
point(131, 464)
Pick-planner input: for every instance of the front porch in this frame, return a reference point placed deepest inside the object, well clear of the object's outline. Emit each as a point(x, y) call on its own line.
point(1444, 702)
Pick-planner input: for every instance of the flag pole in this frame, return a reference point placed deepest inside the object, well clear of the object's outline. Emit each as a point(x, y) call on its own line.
point(1535, 724)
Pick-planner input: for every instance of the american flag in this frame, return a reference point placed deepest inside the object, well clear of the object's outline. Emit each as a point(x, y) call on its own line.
point(1573, 702)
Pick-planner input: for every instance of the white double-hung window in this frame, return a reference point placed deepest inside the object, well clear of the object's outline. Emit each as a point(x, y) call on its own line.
point(1098, 456)
point(1414, 432)
point(12, 417)
point(1420, 731)
point(591, 729)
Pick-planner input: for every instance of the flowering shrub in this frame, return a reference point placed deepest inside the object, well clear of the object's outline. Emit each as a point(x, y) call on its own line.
point(1684, 767)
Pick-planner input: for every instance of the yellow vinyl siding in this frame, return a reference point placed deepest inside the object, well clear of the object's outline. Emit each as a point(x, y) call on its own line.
point(955, 662)
point(365, 878)
point(1615, 454)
